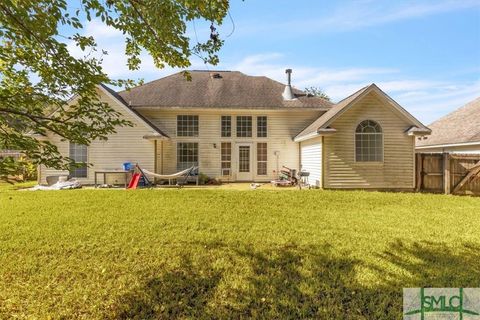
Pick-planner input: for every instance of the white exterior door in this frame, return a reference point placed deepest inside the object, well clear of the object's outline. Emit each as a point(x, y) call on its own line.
point(244, 157)
point(311, 160)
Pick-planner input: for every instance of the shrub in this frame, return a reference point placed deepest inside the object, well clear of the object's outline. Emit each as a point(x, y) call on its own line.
point(202, 178)
point(21, 169)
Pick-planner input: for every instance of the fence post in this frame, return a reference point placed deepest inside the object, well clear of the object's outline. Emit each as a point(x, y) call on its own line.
point(446, 173)
point(419, 169)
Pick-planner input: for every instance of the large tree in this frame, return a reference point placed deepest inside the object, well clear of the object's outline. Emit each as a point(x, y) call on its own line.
point(39, 76)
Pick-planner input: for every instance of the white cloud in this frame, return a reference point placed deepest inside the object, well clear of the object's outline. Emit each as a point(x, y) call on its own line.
point(97, 29)
point(115, 62)
point(369, 13)
point(356, 15)
point(427, 99)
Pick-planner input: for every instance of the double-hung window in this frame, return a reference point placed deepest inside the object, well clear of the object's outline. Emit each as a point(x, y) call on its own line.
point(262, 158)
point(226, 126)
point(187, 126)
point(226, 154)
point(78, 153)
point(262, 127)
point(187, 155)
point(244, 126)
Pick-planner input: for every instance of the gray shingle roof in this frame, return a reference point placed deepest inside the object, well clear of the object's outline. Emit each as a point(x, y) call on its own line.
point(460, 126)
point(321, 125)
point(147, 122)
point(324, 118)
point(232, 89)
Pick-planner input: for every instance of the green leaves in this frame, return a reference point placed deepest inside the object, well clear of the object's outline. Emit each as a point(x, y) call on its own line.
point(45, 90)
point(317, 92)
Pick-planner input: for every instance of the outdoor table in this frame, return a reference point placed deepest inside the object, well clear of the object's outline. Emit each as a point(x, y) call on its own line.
point(112, 171)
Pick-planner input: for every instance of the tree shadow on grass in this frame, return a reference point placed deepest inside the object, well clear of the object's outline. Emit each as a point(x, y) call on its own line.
point(294, 282)
point(179, 293)
point(433, 264)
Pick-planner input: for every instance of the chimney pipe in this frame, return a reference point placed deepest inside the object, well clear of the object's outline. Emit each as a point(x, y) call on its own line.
point(289, 76)
point(288, 93)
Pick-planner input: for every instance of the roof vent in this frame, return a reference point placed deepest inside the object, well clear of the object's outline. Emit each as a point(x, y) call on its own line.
point(288, 93)
point(215, 75)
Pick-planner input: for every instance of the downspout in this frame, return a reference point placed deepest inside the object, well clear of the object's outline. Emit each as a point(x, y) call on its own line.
point(323, 163)
point(299, 156)
point(155, 160)
point(161, 155)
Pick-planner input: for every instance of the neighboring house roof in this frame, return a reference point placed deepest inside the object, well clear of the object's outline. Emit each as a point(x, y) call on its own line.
point(136, 114)
point(321, 125)
point(461, 126)
point(218, 89)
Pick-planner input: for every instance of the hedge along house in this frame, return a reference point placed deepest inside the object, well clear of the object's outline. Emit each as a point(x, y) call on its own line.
point(245, 128)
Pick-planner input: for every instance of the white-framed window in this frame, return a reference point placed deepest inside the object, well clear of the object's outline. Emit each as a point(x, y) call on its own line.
point(187, 126)
point(226, 123)
point(187, 155)
point(226, 158)
point(78, 153)
point(244, 126)
point(262, 158)
point(244, 159)
point(369, 142)
point(262, 127)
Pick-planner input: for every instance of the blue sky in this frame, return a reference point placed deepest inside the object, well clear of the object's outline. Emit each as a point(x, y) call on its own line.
point(424, 54)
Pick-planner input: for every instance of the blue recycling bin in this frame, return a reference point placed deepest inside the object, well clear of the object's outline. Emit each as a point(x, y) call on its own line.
point(127, 166)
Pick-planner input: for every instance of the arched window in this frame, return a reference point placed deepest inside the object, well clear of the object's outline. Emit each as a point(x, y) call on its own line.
point(368, 141)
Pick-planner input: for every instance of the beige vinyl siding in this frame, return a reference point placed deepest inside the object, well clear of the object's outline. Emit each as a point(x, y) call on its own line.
point(397, 169)
point(282, 125)
point(311, 160)
point(127, 145)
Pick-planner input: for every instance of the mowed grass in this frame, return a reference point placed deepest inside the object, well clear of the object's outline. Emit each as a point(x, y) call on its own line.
point(227, 254)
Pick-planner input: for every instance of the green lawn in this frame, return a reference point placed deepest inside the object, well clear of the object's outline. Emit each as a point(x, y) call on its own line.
point(228, 253)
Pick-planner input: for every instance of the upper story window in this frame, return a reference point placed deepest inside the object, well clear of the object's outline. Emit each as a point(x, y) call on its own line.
point(78, 153)
point(187, 126)
point(368, 142)
point(226, 126)
point(262, 127)
point(244, 126)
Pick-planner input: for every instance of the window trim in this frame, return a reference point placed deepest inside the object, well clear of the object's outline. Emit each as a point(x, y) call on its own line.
point(221, 126)
point(177, 154)
point(195, 134)
point(251, 126)
point(70, 171)
point(266, 126)
point(263, 161)
point(225, 161)
point(376, 162)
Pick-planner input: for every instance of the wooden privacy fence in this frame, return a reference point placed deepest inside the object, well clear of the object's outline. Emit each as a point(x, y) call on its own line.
point(448, 173)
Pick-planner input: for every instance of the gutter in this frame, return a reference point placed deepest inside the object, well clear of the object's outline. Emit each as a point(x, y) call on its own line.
point(448, 145)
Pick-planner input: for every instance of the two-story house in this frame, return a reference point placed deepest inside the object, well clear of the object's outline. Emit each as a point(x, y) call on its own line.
point(237, 127)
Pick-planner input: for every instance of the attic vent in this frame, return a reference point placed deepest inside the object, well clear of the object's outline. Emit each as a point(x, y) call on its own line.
point(215, 76)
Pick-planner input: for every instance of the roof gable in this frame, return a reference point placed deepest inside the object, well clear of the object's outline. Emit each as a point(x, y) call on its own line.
point(322, 123)
point(140, 118)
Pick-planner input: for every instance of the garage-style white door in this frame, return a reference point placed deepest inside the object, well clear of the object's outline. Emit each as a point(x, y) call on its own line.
point(311, 160)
